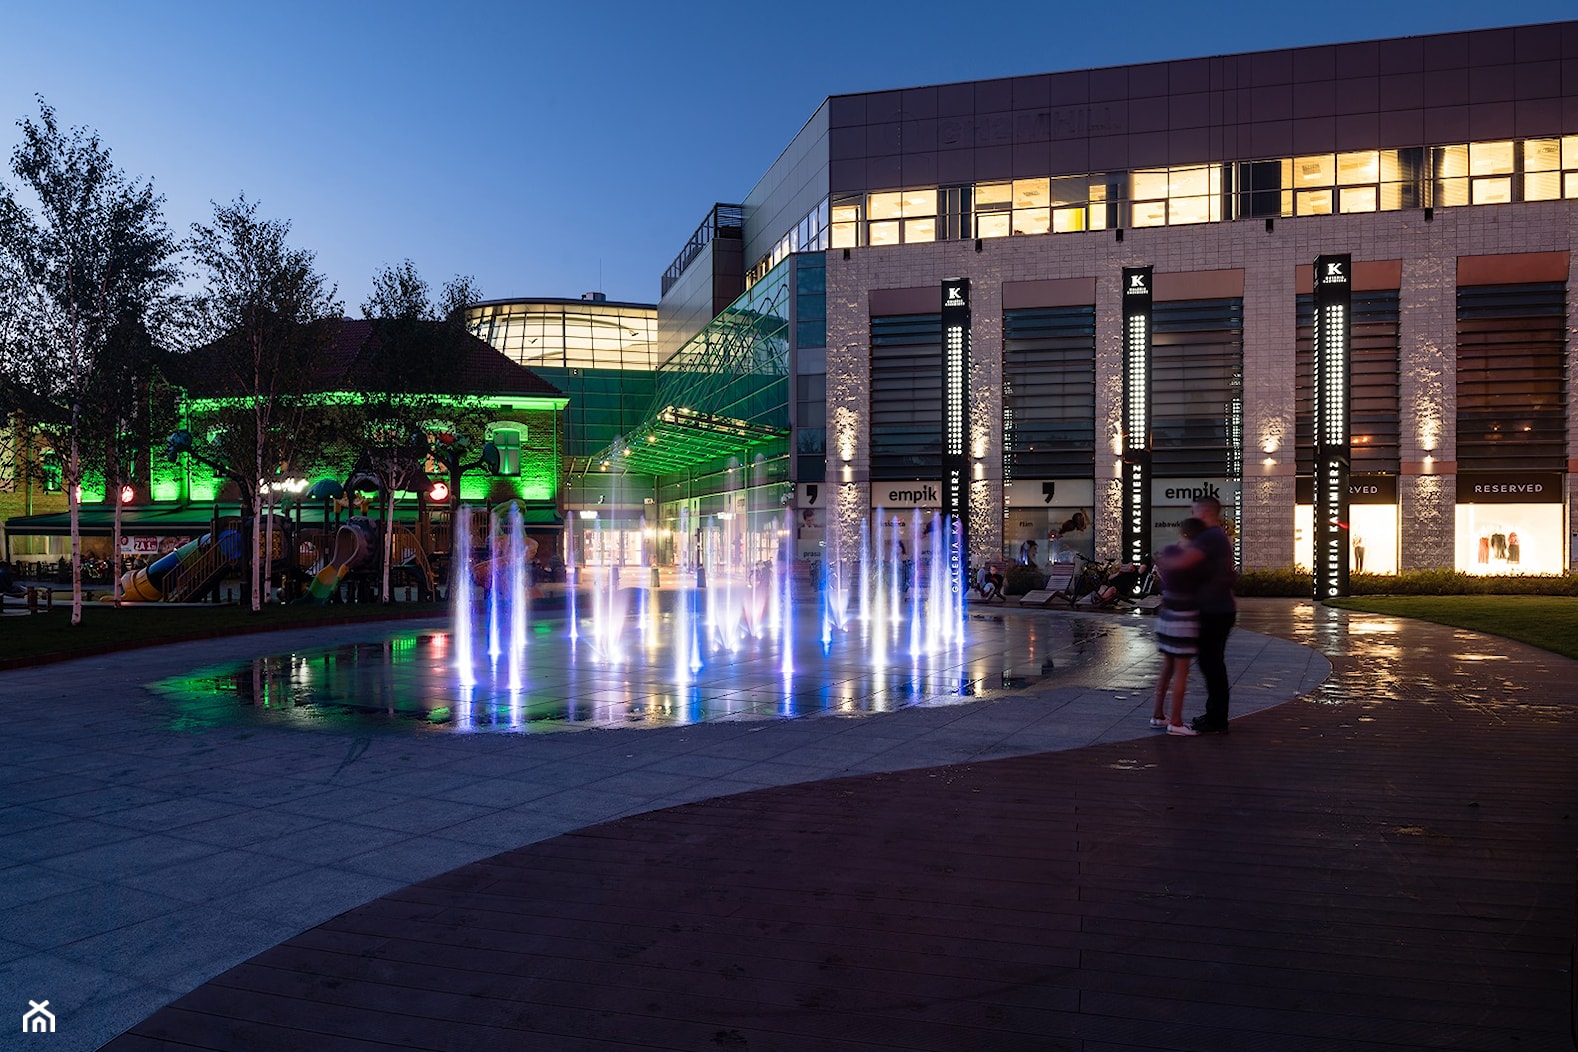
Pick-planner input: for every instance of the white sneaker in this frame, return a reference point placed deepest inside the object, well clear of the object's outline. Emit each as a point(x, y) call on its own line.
point(1158, 724)
point(1183, 729)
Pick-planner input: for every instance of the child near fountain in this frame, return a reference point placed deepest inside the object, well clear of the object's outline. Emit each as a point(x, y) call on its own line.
point(1177, 626)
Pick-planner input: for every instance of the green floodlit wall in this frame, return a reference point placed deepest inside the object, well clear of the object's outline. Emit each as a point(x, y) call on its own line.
point(537, 419)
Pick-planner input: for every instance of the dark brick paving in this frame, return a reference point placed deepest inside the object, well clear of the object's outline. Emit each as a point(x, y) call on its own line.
point(1385, 864)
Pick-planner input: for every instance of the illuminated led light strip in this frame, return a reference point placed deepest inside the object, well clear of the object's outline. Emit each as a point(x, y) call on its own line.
point(1333, 288)
point(956, 425)
point(1137, 300)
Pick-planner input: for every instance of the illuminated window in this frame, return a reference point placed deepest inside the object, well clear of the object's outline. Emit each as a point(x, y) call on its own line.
point(1068, 220)
point(845, 226)
point(1189, 182)
point(1492, 191)
point(1096, 217)
point(992, 224)
point(1399, 180)
point(1542, 186)
point(1490, 158)
point(1361, 167)
point(884, 233)
point(1450, 165)
point(1572, 184)
point(1184, 210)
point(920, 230)
point(993, 203)
point(1030, 193)
point(1032, 220)
point(508, 442)
point(1313, 202)
point(885, 206)
point(1357, 199)
point(1147, 184)
point(1148, 213)
point(1542, 155)
point(990, 196)
point(1316, 170)
point(1450, 193)
point(920, 203)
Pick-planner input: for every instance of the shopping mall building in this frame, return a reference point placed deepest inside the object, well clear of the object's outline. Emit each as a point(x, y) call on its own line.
point(809, 359)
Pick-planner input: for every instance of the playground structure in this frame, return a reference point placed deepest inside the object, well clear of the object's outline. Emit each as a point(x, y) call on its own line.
point(307, 562)
point(188, 572)
point(331, 560)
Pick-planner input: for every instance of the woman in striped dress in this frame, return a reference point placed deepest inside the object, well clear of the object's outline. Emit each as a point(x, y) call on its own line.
point(1177, 626)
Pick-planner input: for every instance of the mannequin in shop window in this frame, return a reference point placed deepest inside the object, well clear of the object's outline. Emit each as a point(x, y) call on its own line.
point(1358, 555)
point(1512, 547)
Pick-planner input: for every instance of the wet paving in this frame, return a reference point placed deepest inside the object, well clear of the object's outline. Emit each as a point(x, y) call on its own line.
point(1382, 863)
point(409, 680)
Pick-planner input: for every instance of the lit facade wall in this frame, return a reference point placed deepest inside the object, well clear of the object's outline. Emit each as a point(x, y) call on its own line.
point(1428, 252)
point(1412, 155)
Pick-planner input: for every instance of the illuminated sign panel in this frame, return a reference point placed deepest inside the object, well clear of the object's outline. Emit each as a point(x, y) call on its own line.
point(1136, 412)
point(1332, 367)
point(956, 423)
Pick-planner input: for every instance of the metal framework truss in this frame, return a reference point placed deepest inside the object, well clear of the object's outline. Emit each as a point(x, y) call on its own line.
point(722, 394)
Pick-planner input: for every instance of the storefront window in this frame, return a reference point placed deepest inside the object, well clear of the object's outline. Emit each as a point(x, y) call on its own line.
point(1509, 538)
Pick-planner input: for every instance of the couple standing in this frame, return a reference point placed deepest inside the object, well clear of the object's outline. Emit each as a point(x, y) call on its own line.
point(1196, 616)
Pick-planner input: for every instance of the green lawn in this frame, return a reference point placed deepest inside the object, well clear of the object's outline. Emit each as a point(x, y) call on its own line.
point(1549, 622)
point(51, 636)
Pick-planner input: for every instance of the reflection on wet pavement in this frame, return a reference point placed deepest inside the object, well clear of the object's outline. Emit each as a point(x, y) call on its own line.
point(407, 679)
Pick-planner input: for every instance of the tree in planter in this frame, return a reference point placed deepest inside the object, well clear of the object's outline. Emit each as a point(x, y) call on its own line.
point(95, 256)
point(267, 315)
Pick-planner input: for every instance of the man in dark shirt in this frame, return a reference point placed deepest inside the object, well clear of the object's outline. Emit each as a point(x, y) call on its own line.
point(1218, 613)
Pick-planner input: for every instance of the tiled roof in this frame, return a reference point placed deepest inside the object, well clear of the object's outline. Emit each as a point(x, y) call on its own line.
point(352, 355)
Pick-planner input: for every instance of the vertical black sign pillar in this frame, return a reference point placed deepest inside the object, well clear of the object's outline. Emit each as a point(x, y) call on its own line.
point(1136, 413)
point(1332, 368)
point(956, 425)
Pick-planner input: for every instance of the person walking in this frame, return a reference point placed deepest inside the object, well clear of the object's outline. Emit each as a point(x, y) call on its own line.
point(1218, 613)
point(1177, 626)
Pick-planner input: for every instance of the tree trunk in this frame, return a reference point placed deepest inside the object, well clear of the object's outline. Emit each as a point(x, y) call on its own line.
point(389, 503)
point(256, 565)
point(74, 503)
point(268, 546)
point(115, 549)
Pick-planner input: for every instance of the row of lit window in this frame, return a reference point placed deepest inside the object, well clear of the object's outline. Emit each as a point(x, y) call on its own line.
point(1319, 184)
point(615, 339)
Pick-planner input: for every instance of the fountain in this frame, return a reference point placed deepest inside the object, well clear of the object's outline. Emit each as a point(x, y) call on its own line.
point(863, 642)
point(732, 592)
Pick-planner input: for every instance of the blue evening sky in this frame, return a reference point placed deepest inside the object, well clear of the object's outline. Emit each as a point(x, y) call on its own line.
point(551, 149)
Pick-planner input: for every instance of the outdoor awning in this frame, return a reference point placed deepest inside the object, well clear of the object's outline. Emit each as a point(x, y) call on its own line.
point(152, 521)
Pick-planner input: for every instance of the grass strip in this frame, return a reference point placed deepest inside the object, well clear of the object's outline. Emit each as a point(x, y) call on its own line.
point(1549, 622)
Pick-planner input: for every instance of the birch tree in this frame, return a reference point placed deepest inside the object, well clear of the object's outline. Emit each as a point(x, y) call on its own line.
point(267, 311)
point(89, 250)
point(407, 386)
